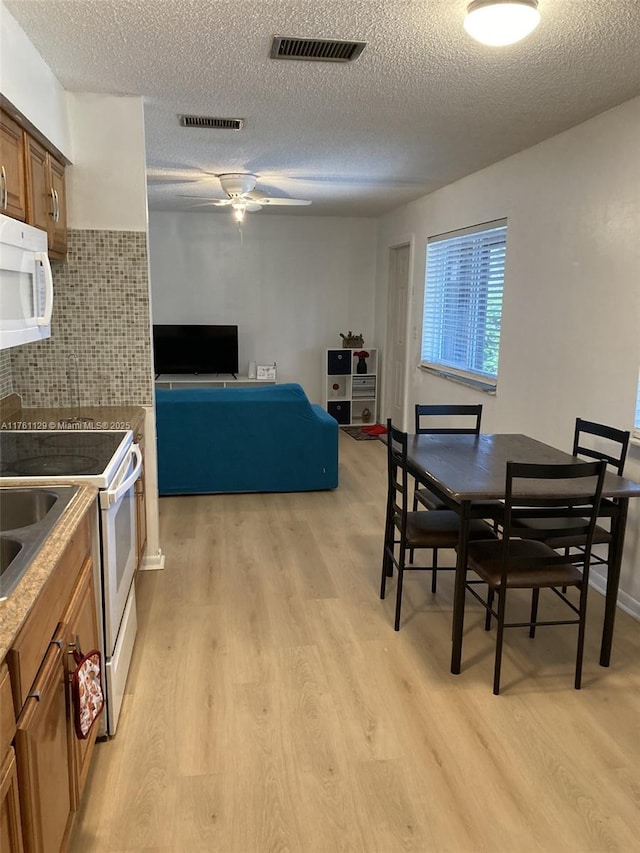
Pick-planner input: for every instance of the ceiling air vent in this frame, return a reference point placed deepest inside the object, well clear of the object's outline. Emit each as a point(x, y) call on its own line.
point(317, 50)
point(212, 122)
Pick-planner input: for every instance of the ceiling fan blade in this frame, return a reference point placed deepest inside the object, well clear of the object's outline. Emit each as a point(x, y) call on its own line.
point(218, 201)
point(284, 201)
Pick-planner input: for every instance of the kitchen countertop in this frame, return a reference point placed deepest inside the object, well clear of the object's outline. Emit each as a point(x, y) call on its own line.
point(17, 607)
point(13, 416)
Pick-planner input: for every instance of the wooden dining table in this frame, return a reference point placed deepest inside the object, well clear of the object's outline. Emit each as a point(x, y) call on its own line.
point(467, 470)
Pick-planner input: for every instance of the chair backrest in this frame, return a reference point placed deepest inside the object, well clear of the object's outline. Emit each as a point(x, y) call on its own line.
point(428, 411)
point(616, 441)
point(398, 493)
point(537, 506)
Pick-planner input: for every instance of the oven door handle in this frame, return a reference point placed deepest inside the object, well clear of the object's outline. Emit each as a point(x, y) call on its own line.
point(112, 496)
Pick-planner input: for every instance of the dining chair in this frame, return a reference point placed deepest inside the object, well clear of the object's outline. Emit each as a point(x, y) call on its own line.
point(428, 421)
point(592, 440)
point(410, 530)
point(424, 425)
point(522, 559)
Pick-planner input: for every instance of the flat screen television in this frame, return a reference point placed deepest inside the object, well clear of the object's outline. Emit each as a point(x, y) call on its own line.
point(195, 349)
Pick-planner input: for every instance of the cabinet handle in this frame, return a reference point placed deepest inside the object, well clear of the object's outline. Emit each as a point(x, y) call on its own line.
point(5, 193)
point(58, 643)
point(75, 646)
point(34, 695)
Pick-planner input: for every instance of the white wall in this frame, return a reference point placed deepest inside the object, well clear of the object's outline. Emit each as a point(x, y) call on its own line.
point(106, 185)
point(570, 341)
point(28, 82)
point(290, 283)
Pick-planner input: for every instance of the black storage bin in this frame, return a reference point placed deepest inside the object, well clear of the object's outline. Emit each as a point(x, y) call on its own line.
point(340, 411)
point(339, 361)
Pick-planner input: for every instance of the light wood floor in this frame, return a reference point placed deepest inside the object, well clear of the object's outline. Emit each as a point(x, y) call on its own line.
point(271, 706)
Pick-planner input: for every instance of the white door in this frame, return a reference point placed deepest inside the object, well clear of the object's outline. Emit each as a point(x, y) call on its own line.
point(396, 349)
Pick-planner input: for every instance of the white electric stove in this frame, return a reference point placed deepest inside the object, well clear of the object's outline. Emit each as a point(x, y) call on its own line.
point(109, 460)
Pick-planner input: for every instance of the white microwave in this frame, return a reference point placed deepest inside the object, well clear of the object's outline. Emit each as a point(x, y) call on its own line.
point(26, 285)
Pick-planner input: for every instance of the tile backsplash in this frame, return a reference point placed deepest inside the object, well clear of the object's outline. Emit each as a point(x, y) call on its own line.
point(6, 385)
point(101, 316)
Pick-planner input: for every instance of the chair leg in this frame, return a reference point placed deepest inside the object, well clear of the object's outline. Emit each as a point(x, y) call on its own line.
point(434, 571)
point(581, 633)
point(487, 618)
point(535, 596)
point(383, 579)
point(396, 626)
point(387, 551)
point(499, 638)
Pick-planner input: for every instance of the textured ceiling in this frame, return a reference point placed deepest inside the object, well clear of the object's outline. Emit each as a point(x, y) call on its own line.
point(423, 106)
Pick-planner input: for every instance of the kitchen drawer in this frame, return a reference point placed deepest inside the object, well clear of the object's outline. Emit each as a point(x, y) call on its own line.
point(7, 715)
point(30, 646)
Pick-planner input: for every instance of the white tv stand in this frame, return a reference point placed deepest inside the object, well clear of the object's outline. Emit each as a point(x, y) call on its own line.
point(207, 380)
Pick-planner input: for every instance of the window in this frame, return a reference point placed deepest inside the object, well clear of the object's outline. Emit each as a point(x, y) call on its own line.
point(463, 303)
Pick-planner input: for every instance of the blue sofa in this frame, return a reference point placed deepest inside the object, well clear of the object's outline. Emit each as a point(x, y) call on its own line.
point(261, 439)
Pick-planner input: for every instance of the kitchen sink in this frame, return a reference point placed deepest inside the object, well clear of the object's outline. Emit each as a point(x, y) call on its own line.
point(23, 507)
point(27, 517)
point(9, 550)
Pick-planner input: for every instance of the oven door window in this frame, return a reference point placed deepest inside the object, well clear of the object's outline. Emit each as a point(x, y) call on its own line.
point(125, 540)
point(119, 560)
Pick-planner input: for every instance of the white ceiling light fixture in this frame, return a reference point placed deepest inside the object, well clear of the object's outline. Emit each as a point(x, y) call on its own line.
point(501, 22)
point(239, 209)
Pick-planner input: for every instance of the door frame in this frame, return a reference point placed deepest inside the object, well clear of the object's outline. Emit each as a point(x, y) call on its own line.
point(406, 242)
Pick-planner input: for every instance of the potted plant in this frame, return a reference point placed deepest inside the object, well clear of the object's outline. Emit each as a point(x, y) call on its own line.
point(351, 340)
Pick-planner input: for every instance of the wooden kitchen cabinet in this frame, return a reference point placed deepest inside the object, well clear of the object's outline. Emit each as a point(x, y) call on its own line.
point(80, 618)
point(46, 197)
point(42, 747)
point(13, 187)
point(10, 827)
point(141, 504)
point(52, 762)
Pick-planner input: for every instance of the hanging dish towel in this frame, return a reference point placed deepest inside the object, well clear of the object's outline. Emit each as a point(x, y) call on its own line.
point(86, 687)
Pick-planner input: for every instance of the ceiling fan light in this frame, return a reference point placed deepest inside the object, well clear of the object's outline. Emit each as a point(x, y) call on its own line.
point(238, 211)
point(501, 22)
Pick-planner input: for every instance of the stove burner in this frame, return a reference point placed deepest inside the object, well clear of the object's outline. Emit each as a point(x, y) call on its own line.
point(54, 465)
point(86, 441)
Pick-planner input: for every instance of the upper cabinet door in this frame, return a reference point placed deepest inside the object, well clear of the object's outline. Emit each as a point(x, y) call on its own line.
point(13, 196)
point(39, 190)
point(46, 200)
point(58, 230)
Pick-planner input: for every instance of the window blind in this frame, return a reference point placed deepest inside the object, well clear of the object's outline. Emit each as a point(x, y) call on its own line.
point(463, 300)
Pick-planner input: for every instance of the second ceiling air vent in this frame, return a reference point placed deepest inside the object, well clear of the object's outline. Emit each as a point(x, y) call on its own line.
point(317, 50)
point(212, 122)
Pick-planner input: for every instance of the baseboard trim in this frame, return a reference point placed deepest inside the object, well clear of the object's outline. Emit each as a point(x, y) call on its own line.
point(625, 601)
point(152, 562)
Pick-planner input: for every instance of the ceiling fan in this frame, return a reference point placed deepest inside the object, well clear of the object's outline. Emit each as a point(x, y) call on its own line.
point(242, 195)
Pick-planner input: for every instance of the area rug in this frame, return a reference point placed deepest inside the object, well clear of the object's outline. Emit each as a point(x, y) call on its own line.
point(366, 432)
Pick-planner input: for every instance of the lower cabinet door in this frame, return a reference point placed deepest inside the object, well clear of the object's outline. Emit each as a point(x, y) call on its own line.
point(80, 617)
point(43, 757)
point(10, 829)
